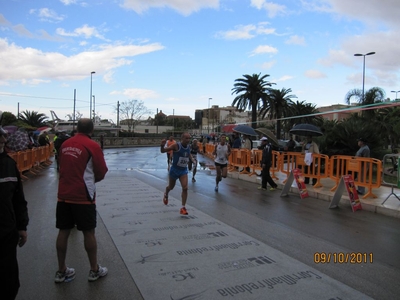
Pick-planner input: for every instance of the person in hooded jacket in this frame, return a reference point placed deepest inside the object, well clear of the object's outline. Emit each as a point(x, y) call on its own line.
point(13, 221)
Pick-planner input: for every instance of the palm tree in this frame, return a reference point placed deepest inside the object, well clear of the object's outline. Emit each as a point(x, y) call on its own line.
point(388, 122)
point(250, 90)
point(33, 118)
point(304, 113)
point(372, 96)
point(276, 106)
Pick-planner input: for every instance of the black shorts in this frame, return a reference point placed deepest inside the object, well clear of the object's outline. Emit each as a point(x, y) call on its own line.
point(83, 215)
point(221, 165)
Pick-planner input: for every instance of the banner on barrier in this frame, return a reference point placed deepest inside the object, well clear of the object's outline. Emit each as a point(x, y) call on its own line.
point(346, 182)
point(352, 192)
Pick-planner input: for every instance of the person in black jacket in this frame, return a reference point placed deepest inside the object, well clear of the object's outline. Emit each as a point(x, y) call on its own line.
point(61, 138)
point(13, 221)
point(266, 163)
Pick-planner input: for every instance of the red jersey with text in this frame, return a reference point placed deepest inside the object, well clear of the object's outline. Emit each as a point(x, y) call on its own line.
point(82, 164)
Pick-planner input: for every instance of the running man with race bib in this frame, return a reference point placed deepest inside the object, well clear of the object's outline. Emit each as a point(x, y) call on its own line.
point(221, 153)
point(179, 170)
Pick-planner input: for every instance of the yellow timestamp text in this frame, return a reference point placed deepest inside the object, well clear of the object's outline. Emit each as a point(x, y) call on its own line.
point(343, 257)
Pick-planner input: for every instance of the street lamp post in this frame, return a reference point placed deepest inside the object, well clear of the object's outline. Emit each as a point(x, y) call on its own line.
point(90, 112)
point(94, 108)
point(363, 55)
point(396, 93)
point(208, 115)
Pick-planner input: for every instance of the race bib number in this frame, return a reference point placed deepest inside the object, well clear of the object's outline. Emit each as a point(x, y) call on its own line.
point(183, 161)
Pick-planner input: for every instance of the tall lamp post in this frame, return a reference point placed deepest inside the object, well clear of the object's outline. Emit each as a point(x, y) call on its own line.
point(363, 55)
point(396, 93)
point(208, 115)
point(91, 81)
point(94, 108)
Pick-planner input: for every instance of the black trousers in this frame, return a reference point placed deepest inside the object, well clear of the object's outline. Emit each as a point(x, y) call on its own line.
point(9, 276)
point(266, 178)
point(307, 179)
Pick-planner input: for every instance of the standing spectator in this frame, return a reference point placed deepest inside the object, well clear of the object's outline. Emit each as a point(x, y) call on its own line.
point(59, 139)
point(102, 142)
point(246, 145)
point(82, 164)
point(13, 221)
point(221, 153)
point(362, 152)
point(266, 163)
point(237, 143)
point(44, 139)
point(246, 142)
point(169, 143)
point(312, 148)
point(291, 144)
point(180, 159)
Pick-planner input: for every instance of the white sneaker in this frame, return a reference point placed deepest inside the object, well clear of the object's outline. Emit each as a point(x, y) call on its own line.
point(66, 276)
point(93, 276)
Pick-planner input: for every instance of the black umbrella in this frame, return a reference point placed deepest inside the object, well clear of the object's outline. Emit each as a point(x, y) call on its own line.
point(244, 129)
point(306, 130)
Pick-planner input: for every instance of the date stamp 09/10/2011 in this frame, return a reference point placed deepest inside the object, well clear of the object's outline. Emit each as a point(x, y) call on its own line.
point(343, 257)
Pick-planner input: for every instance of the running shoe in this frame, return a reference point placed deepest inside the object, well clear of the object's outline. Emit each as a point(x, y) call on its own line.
point(101, 272)
point(183, 211)
point(165, 199)
point(193, 180)
point(66, 276)
point(261, 188)
point(216, 188)
point(272, 189)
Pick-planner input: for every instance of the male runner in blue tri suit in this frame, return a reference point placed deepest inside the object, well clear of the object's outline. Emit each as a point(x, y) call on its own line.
point(180, 159)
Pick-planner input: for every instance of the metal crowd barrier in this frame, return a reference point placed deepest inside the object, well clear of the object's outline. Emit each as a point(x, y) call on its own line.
point(366, 172)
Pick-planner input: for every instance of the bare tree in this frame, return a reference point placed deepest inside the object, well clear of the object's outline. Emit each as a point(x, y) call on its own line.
point(132, 111)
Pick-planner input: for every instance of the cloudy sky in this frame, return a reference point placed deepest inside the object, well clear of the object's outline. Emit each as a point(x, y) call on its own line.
point(175, 55)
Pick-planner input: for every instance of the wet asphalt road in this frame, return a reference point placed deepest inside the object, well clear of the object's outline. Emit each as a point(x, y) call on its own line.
point(298, 228)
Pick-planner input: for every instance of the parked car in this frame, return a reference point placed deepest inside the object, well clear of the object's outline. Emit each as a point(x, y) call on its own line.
point(283, 146)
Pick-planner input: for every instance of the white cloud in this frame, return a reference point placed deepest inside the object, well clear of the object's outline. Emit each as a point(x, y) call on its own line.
point(4, 21)
point(264, 49)
point(245, 32)
point(22, 31)
point(139, 94)
point(29, 65)
point(84, 31)
point(184, 7)
point(273, 9)
point(46, 14)
point(314, 74)
point(241, 32)
point(296, 40)
point(283, 78)
point(268, 65)
point(371, 11)
point(68, 2)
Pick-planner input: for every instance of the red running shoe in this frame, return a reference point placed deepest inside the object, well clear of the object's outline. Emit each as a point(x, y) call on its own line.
point(165, 199)
point(183, 211)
